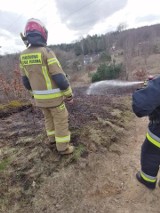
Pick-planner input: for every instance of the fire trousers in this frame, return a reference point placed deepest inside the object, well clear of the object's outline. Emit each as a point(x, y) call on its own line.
point(150, 158)
point(56, 123)
point(150, 152)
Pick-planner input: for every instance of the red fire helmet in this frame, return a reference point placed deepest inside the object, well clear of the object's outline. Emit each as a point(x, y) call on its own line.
point(36, 26)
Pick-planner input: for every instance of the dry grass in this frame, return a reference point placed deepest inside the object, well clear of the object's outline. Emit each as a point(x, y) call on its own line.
point(79, 79)
point(152, 66)
point(12, 88)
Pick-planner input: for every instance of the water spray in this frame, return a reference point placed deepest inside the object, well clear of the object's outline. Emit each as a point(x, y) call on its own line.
point(102, 87)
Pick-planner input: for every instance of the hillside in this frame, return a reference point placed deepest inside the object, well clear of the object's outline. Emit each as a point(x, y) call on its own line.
point(138, 49)
point(99, 177)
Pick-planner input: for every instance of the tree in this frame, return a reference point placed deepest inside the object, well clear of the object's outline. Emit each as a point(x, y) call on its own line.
point(107, 72)
point(121, 27)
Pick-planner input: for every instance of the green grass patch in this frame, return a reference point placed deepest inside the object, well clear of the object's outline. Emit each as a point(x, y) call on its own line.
point(13, 105)
point(4, 163)
point(78, 151)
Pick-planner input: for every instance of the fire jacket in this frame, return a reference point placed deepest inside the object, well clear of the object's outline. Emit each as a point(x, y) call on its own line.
point(42, 74)
point(146, 102)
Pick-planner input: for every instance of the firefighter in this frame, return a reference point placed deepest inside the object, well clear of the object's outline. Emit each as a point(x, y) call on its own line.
point(146, 102)
point(43, 76)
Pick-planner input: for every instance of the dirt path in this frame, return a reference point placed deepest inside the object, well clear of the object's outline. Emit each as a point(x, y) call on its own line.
point(134, 197)
point(104, 183)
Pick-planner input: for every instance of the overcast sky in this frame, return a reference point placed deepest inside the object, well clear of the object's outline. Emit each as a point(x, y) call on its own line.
point(70, 20)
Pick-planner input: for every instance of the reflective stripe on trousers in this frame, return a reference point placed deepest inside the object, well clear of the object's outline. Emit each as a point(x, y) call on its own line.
point(50, 133)
point(153, 138)
point(148, 177)
point(65, 139)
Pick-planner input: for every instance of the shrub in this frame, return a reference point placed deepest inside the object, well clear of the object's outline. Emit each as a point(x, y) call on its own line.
point(107, 72)
point(140, 74)
point(12, 88)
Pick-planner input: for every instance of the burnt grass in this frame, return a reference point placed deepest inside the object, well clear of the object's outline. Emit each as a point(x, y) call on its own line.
point(25, 158)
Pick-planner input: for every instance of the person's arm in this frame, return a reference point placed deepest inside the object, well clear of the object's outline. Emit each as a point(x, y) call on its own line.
point(26, 83)
point(62, 82)
point(146, 100)
point(58, 75)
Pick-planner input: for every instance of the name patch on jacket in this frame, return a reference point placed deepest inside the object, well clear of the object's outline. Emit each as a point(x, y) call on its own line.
point(31, 58)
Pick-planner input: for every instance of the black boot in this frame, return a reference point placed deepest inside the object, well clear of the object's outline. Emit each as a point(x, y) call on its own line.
point(149, 185)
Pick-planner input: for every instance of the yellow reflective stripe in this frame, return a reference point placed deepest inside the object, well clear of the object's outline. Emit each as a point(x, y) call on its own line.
point(47, 78)
point(156, 143)
point(53, 61)
point(48, 96)
point(65, 139)
point(50, 133)
point(25, 71)
point(62, 106)
point(31, 58)
point(45, 92)
point(148, 179)
point(68, 92)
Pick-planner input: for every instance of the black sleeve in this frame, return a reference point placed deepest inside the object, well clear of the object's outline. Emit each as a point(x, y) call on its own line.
point(145, 101)
point(61, 81)
point(26, 83)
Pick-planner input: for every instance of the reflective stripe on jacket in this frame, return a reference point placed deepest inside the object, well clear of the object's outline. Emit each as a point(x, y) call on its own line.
point(39, 64)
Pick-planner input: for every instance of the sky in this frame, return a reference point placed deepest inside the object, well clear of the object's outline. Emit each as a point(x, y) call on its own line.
point(68, 21)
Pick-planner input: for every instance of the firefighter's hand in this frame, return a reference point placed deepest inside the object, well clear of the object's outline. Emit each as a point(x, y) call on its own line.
point(69, 100)
point(31, 94)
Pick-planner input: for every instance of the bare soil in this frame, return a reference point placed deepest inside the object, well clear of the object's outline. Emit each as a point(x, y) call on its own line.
point(99, 177)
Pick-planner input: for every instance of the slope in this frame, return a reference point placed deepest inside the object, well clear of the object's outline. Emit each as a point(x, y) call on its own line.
point(98, 177)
